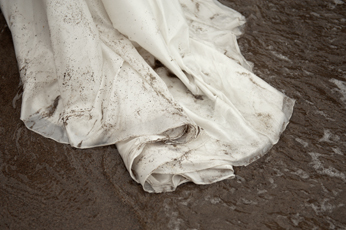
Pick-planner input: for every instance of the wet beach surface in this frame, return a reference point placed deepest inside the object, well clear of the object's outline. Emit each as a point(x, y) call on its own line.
point(299, 47)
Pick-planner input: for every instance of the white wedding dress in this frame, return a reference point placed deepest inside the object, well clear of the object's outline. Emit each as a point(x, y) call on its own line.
point(91, 79)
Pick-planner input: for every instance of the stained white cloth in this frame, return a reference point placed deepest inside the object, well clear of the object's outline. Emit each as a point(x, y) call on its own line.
point(90, 79)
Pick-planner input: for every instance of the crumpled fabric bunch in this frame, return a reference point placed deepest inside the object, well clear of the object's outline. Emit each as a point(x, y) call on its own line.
point(162, 80)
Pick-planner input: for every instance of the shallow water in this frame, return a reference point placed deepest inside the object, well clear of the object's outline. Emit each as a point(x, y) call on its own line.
point(299, 47)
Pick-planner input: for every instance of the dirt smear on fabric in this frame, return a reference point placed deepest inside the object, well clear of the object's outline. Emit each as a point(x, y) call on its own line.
point(298, 47)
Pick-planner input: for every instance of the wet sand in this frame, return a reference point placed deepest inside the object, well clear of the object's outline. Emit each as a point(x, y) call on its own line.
point(299, 47)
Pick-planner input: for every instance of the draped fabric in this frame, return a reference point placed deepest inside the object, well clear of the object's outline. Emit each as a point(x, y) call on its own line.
point(162, 80)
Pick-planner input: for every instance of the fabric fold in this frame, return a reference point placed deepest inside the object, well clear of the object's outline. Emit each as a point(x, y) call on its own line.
point(91, 78)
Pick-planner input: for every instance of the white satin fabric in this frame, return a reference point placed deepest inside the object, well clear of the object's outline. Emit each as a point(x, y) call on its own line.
point(89, 76)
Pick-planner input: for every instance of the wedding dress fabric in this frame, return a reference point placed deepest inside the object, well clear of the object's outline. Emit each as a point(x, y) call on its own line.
point(91, 77)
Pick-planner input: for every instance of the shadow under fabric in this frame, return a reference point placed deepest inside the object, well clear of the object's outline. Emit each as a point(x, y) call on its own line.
point(87, 68)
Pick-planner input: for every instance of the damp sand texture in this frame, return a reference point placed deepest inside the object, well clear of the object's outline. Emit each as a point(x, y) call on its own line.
point(296, 46)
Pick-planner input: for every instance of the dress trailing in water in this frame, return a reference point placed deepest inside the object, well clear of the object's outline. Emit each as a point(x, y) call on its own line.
point(90, 79)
